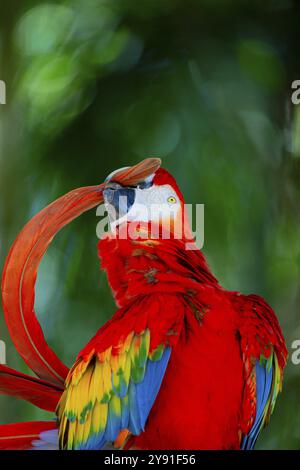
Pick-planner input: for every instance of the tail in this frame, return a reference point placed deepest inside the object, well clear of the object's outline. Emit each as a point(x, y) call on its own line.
point(39, 392)
point(19, 278)
point(42, 435)
point(18, 295)
point(20, 270)
point(39, 435)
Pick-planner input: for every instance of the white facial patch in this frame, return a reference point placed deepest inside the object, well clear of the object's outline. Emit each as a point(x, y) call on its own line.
point(154, 204)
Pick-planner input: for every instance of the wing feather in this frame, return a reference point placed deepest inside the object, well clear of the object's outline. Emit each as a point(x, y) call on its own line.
point(113, 393)
point(264, 355)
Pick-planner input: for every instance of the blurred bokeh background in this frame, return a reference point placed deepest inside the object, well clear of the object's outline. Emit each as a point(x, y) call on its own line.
point(93, 85)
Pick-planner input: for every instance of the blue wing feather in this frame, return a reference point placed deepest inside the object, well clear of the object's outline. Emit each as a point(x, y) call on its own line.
point(147, 390)
point(264, 376)
point(134, 411)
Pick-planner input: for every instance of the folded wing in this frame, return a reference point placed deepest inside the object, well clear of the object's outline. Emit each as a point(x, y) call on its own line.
point(264, 355)
point(111, 392)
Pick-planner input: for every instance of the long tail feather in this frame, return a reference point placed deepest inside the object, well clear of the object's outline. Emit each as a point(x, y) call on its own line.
point(19, 278)
point(19, 436)
point(137, 173)
point(38, 392)
point(20, 271)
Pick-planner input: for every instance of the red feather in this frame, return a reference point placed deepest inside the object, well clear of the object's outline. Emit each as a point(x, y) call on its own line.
point(38, 392)
point(19, 278)
point(171, 291)
point(19, 436)
point(215, 335)
point(20, 270)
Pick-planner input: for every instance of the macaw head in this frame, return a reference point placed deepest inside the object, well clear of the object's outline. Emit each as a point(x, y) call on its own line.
point(155, 200)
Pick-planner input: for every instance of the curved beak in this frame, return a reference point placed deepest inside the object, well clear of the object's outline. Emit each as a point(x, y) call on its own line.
point(119, 193)
point(118, 200)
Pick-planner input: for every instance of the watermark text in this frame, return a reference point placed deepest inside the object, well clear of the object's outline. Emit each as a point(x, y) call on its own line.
point(2, 352)
point(295, 357)
point(158, 221)
point(2, 92)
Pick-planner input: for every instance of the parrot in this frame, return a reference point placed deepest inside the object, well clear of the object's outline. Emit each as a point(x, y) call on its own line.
point(183, 363)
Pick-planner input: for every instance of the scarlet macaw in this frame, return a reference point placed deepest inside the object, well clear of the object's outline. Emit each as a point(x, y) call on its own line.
point(182, 364)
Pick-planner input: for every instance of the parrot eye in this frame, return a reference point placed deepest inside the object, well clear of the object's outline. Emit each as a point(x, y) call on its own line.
point(172, 200)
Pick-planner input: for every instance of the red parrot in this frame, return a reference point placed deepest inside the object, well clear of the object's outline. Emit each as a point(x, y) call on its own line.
point(182, 363)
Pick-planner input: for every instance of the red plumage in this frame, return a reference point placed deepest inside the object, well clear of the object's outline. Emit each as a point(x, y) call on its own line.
point(209, 327)
point(39, 392)
point(221, 341)
point(190, 411)
point(19, 436)
point(20, 271)
point(19, 278)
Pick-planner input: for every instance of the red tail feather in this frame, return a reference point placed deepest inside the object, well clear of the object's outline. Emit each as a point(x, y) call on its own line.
point(19, 436)
point(19, 277)
point(38, 392)
point(20, 271)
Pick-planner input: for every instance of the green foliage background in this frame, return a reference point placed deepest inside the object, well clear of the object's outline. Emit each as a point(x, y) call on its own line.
point(94, 85)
